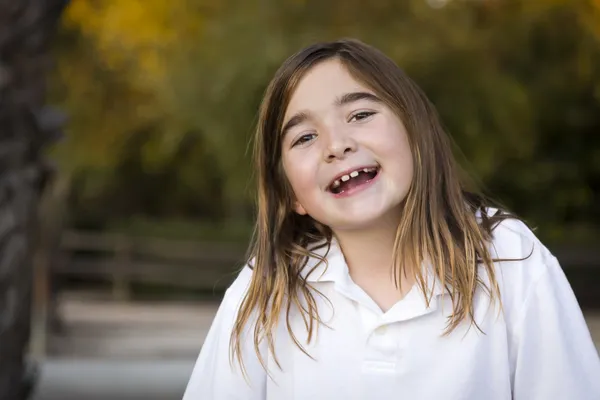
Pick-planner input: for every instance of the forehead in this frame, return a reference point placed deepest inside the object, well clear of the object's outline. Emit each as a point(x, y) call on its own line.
point(321, 85)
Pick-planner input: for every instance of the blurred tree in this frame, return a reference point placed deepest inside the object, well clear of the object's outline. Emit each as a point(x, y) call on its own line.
point(27, 127)
point(159, 159)
point(555, 65)
point(515, 82)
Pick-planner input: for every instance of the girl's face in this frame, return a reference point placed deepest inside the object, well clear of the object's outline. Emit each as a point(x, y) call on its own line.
point(344, 151)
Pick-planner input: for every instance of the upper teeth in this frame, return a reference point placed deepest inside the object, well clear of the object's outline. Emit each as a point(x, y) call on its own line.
point(353, 174)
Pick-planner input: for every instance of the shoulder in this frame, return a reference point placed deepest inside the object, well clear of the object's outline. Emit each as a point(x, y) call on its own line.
point(214, 375)
point(523, 263)
point(228, 310)
point(517, 249)
point(512, 238)
point(512, 241)
point(236, 292)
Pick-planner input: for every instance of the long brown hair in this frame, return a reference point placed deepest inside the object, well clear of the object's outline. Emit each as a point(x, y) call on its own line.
point(439, 223)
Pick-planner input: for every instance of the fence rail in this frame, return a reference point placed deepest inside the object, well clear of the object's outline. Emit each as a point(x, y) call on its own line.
point(125, 260)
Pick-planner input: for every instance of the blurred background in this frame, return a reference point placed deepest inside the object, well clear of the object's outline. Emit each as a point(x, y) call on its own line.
point(126, 196)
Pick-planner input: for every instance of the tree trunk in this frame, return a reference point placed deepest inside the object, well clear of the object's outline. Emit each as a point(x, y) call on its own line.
point(26, 128)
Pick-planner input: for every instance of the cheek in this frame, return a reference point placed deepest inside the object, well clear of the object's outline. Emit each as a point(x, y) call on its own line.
point(395, 148)
point(300, 174)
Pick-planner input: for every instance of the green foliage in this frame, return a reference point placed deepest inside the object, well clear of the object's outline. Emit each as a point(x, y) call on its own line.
point(164, 95)
point(184, 229)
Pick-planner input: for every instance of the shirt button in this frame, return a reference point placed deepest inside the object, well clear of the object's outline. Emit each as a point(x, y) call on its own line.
point(382, 330)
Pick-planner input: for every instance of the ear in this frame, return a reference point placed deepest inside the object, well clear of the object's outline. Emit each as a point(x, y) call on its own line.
point(299, 208)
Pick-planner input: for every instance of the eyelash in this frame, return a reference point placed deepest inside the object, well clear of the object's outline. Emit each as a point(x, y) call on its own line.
point(365, 114)
point(301, 140)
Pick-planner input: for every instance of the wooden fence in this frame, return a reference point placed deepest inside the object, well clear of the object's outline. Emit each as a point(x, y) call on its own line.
point(124, 260)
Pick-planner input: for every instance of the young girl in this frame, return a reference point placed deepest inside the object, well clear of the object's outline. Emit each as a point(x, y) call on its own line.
point(374, 273)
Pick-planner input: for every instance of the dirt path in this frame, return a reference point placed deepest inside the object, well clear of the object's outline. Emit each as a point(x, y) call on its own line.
point(100, 328)
point(96, 328)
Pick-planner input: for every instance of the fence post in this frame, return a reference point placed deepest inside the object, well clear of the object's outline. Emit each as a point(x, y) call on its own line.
point(121, 288)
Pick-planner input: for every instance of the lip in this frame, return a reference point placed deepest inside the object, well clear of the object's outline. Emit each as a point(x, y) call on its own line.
point(355, 189)
point(349, 171)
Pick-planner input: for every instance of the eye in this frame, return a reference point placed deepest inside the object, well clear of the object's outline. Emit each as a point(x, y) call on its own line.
point(361, 115)
point(304, 139)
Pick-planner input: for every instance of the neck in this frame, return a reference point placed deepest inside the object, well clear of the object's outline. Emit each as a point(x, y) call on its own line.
point(368, 251)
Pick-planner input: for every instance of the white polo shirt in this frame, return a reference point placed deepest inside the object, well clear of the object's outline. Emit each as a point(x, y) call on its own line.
point(537, 348)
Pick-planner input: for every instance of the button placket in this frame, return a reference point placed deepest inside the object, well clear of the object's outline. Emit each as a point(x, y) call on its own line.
point(381, 351)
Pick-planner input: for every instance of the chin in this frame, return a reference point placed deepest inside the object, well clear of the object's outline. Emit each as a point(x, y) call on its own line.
point(361, 222)
point(368, 215)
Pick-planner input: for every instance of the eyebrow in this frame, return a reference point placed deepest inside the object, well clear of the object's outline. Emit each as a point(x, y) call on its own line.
point(347, 98)
point(356, 96)
point(297, 119)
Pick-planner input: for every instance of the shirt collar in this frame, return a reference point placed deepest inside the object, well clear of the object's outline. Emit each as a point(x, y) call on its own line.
point(335, 269)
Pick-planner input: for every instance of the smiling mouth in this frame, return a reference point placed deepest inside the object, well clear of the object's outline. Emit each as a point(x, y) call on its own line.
point(353, 179)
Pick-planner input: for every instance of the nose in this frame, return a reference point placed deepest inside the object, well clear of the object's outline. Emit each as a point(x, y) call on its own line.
point(340, 145)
